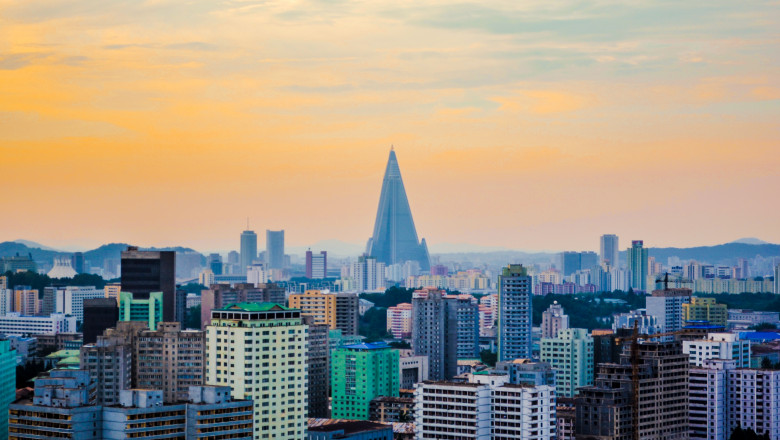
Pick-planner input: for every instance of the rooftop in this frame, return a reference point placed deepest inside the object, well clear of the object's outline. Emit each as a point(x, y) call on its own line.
point(254, 307)
point(367, 346)
point(350, 426)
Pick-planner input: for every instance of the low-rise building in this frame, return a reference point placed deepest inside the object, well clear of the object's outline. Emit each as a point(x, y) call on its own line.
point(61, 402)
point(387, 409)
point(743, 318)
point(351, 430)
point(17, 324)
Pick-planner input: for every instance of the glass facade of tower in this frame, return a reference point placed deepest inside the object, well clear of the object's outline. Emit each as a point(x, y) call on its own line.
point(395, 237)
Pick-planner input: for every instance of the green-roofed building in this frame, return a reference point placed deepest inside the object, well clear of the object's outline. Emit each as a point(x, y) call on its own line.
point(146, 310)
point(360, 373)
point(259, 349)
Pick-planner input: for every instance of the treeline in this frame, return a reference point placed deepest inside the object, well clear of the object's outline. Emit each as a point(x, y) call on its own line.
point(39, 281)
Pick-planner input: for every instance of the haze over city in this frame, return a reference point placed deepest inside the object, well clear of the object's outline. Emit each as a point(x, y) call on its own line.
point(533, 125)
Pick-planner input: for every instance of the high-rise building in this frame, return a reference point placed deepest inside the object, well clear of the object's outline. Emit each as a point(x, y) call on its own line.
point(571, 356)
point(484, 408)
point(554, 320)
point(724, 397)
point(667, 306)
point(514, 313)
point(316, 265)
point(7, 383)
point(99, 314)
point(705, 309)
point(26, 301)
point(399, 321)
point(110, 365)
point(77, 262)
point(215, 263)
point(318, 363)
point(369, 274)
point(362, 372)
point(445, 328)
point(727, 346)
point(777, 280)
point(395, 238)
point(273, 374)
point(604, 410)
point(575, 261)
point(609, 250)
point(69, 300)
point(149, 310)
point(144, 272)
point(6, 301)
point(637, 259)
point(222, 295)
point(248, 250)
point(337, 310)
point(170, 359)
point(274, 249)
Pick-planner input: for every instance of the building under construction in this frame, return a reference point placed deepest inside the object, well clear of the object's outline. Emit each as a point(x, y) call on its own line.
point(606, 410)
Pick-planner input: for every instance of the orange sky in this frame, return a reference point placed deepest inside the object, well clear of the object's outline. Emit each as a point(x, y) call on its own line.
point(533, 126)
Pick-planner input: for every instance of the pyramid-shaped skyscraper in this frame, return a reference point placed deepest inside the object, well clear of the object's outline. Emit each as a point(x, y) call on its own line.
point(395, 237)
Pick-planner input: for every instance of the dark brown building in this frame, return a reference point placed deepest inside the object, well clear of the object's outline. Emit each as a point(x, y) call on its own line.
point(318, 361)
point(144, 272)
point(99, 314)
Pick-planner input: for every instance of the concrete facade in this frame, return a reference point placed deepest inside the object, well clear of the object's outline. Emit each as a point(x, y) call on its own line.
point(514, 313)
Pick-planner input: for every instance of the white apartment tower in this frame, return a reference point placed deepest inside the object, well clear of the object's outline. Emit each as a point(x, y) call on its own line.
point(485, 408)
point(259, 349)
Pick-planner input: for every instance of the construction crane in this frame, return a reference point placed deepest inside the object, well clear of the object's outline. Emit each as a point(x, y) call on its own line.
point(634, 359)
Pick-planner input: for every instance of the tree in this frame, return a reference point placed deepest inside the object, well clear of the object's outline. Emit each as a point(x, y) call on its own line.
point(488, 358)
point(747, 434)
point(763, 326)
point(192, 288)
point(193, 317)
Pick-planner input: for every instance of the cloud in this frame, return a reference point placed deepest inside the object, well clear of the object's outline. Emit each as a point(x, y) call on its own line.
point(17, 61)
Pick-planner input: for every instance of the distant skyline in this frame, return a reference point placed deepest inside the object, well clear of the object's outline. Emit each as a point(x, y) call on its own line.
point(526, 125)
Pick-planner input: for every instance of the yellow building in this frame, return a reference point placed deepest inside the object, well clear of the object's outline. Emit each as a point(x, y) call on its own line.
point(336, 310)
point(705, 309)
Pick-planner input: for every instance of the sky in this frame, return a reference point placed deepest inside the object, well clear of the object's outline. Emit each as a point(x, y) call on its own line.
point(533, 125)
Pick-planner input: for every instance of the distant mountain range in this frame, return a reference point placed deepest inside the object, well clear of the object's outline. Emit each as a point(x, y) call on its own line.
point(719, 254)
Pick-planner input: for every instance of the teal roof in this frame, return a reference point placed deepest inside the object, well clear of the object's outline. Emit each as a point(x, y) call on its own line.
point(254, 307)
point(63, 354)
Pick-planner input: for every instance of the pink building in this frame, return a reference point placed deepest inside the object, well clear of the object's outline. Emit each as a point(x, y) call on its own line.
point(439, 269)
point(399, 321)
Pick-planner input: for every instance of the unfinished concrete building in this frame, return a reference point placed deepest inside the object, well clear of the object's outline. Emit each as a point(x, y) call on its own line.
point(605, 411)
